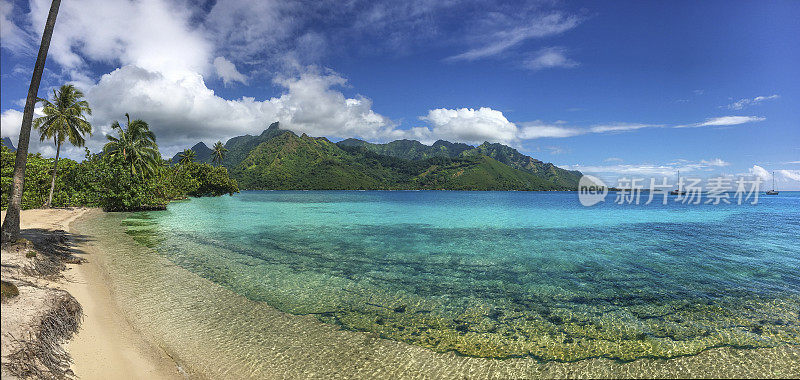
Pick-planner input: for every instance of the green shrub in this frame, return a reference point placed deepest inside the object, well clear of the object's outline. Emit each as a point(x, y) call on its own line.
point(103, 181)
point(8, 290)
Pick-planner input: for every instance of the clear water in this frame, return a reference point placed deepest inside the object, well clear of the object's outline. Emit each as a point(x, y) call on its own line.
point(501, 274)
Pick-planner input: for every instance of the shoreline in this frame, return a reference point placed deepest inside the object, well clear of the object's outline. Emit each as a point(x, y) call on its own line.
point(105, 345)
point(110, 345)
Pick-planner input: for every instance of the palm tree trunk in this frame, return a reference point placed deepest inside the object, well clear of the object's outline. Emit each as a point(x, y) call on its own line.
point(53, 178)
point(10, 232)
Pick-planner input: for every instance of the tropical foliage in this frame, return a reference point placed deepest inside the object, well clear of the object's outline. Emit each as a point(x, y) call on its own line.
point(64, 120)
point(218, 153)
point(187, 156)
point(134, 147)
point(286, 161)
point(278, 159)
point(107, 182)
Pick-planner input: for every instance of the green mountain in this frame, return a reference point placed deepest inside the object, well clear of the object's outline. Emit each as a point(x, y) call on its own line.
point(239, 147)
point(202, 153)
point(517, 160)
point(8, 144)
point(281, 160)
point(415, 150)
point(411, 149)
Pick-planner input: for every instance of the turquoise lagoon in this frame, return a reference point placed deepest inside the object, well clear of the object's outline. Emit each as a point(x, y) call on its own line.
point(499, 274)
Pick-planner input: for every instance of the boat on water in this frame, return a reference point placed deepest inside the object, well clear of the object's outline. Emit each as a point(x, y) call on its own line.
point(679, 190)
point(773, 191)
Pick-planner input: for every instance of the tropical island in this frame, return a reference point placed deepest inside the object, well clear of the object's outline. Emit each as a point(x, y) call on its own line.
point(129, 174)
point(369, 193)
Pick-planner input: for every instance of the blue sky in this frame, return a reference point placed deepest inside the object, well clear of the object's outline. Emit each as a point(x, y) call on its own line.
point(610, 88)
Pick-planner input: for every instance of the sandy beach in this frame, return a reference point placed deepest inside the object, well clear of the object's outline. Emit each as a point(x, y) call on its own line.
point(106, 345)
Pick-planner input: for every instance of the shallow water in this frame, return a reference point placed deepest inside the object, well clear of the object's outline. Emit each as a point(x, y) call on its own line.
point(482, 274)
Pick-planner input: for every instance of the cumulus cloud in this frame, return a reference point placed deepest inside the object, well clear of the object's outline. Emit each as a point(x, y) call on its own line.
point(155, 35)
point(793, 175)
point(782, 175)
point(183, 109)
point(742, 103)
point(227, 71)
point(467, 125)
point(551, 57)
point(11, 121)
point(760, 172)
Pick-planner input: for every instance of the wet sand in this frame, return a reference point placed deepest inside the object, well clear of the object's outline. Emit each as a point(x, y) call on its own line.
point(107, 346)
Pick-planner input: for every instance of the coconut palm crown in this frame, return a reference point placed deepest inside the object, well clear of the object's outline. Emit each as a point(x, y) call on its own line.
point(218, 153)
point(135, 145)
point(187, 156)
point(64, 120)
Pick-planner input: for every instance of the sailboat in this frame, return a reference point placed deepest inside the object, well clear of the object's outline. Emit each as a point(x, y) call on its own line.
point(773, 191)
point(679, 190)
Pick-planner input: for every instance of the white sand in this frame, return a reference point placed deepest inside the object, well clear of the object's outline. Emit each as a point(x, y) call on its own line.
point(107, 346)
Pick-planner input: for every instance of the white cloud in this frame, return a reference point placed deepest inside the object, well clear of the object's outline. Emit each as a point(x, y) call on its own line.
point(12, 37)
point(619, 127)
point(760, 172)
point(504, 38)
point(151, 34)
point(724, 121)
point(715, 162)
point(467, 125)
point(11, 122)
point(227, 71)
point(537, 129)
point(644, 170)
point(549, 58)
point(555, 149)
point(785, 176)
point(183, 110)
point(793, 175)
point(748, 101)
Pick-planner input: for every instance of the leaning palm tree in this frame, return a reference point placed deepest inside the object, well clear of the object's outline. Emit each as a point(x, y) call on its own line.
point(10, 230)
point(135, 146)
point(63, 120)
point(218, 153)
point(187, 156)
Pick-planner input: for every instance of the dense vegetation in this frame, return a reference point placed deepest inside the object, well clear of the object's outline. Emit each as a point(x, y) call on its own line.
point(278, 159)
point(105, 181)
point(414, 150)
point(286, 161)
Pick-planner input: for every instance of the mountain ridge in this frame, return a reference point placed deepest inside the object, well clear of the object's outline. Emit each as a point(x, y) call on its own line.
point(279, 159)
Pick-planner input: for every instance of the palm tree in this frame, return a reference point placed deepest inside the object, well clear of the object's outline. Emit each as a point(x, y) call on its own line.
point(135, 146)
point(10, 228)
point(63, 120)
point(186, 156)
point(218, 153)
